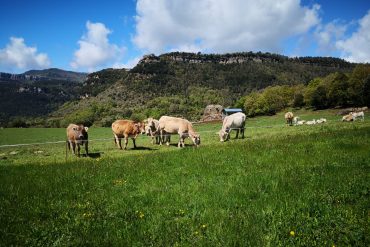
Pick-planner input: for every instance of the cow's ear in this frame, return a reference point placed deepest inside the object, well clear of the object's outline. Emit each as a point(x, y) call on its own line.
point(86, 129)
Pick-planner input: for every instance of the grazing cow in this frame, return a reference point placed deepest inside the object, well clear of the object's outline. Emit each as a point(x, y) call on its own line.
point(301, 122)
point(289, 118)
point(356, 115)
point(234, 121)
point(77, 135)
point(172, 125)
point(126, 129)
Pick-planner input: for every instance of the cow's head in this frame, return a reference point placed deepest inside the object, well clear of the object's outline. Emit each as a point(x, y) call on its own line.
point(80, 132)
point(140, 127)
point(223, 135)
point(196, 139)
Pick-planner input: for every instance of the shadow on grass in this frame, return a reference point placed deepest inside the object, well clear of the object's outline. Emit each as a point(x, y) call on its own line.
point(93, 155)
point(142, 148)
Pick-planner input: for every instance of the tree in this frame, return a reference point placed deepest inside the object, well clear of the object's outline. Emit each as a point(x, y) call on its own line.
point(366, 92)
point(319, 99)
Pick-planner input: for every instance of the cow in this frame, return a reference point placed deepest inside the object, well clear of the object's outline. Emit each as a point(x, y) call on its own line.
point(151, 129)
point(347, 118)
point(234, 121)
point(313, 122)
point(301, 122)
point(356, 115)
point(289, 118)
point(127, 129)
point(182, 127)
point(295, 120)
point(76, 136)
point(321, 120)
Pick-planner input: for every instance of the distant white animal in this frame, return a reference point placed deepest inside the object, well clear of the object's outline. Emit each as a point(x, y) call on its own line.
point(234, 121)
point(356, 115)
point(311, 122)
point(301, 122)
point(295, 120)
point(321, 120)
point(347, 118)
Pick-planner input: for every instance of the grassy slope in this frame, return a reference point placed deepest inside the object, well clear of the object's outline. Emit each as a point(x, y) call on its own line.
point(313, 180)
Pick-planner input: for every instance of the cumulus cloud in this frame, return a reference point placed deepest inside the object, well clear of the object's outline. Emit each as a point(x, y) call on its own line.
point(95, 49)
point(327, 35)
point(17, 55)
point(220, 25)
point(356, 48)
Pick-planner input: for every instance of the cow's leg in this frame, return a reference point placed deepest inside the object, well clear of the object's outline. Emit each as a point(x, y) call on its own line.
point(160, 137)
point(237, 134)
point(133, 140)
point(126, 141)
point(73, 147)
point(242, 130)
point(78, 149)
point(87, 148)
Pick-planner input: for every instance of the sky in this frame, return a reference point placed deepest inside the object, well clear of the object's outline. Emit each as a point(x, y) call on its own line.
point(92, 35)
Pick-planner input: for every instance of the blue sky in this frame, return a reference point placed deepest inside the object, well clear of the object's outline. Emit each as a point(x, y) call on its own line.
point(92, 35)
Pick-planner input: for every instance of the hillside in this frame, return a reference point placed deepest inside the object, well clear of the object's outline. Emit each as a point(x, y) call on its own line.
point(36, 93)
point(183, 84)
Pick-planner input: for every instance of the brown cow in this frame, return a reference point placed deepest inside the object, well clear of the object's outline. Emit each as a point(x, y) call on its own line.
point(77, 135)
point(289, 118)
point(125, 129)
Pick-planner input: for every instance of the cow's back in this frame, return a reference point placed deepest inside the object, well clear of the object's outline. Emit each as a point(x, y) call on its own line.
point(171, 124)
point(236, 120)
point(120, 127)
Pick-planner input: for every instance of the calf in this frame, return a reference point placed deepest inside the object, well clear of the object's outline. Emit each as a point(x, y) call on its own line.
point(76, 136)
point(234, 121)
point(126, 129)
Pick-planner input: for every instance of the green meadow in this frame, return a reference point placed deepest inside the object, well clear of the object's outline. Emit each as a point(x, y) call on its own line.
point(279, 186)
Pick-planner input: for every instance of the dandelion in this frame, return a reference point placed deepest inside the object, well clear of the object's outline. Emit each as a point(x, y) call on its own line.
point(204, 226)
point(292, 233)
point(196, 232)
point(141, 215)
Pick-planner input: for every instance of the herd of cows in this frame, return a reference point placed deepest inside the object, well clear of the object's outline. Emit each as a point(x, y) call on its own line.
point(351, 116)
point(161, 130)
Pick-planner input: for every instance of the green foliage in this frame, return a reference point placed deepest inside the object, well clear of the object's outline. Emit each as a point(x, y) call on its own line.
point(366, 92)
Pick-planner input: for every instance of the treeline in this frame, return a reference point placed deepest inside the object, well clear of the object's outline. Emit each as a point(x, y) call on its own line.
point(335, 90)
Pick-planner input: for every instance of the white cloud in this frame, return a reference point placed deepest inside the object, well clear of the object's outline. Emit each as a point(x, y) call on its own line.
point(357, 47)
point(17, 55)
point(327, 35)
point(128, 65)
point(220, 25)
point(95, 50)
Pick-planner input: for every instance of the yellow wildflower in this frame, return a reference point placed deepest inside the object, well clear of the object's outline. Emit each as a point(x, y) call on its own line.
point(292, 233)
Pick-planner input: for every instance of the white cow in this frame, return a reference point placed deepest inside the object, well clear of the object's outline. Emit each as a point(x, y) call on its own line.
point(174, 125)
point(151, 128)
point(295, 120)
point(321, 120)
point(311, 122)
point(356, 115)
point(234, 121)
point(301, 122)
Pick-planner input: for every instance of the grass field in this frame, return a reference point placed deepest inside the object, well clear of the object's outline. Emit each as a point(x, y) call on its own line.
point(287, 186)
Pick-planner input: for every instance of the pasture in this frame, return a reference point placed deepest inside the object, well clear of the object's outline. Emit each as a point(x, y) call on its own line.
point(287, 186)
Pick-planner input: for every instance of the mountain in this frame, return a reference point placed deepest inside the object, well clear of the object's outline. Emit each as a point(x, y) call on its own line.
point(182, 84)
point(36, 93)
point(51, 74)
